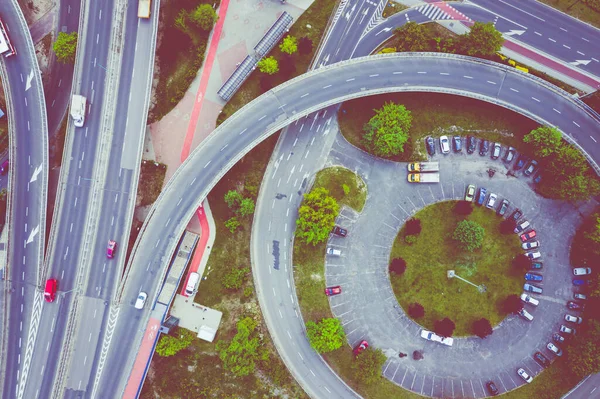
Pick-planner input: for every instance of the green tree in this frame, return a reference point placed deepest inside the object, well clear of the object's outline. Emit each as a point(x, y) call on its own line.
point(235, 278)
point(233, 199)
point(482, 328)
point(366, 368)
point(325, 336)
point(181, 21)
point(483, 40)
point(583, 356)
point(412, 37)
point(544, 141)
point(289, 45)
point(268, 65)
point(170, 345)
point(204, 16)
point(469, 235)
point(232, 224)
point(65, 47)
point(244, 351)
point(387, 131)
point(246, 207)
point(316, 216)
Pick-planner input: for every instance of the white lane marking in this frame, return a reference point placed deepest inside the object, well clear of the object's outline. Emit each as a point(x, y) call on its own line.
point(225, 146)
point(350, 80)
point(208, 163)
point(515, 90)
point(552, 40)
point(374, 75)
point(537, 33)
point(327, 87)
point(593, 139)
point(580, 53)
point(555, 110)
point(535, 99)
point(304, 95)
point(490, 82)
point(262, 117)
point(565, 46)
point(444, 73)
point(242, 132)
point(576, 124)
point(467, 76)
point(563, 29)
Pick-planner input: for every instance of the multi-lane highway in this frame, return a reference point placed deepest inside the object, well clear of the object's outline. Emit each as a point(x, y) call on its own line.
point(26, 217)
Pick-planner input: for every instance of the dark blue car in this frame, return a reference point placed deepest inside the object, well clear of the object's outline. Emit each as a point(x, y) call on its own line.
point(533, 277)
point(430, 144)
point(521, 162)
point(481, 197)
point(578, 281)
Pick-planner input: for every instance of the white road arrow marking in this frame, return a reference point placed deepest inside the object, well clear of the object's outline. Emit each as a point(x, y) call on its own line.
point(580, 62)
point(383, 30)
point(29, 79)
point(33, 234)
point(36, 172)
point(513, 32)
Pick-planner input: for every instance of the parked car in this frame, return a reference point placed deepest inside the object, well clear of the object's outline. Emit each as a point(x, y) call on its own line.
point(528, 236)
point(530, 245)
point(470, 195)
point(471, 142)
point(509, 155)
point(566, 330)
point(522, 227)
point(582, 271)
point(503, 207)
point(581, 297)
point(484, 147)
point(523, 374)
point(553, 348)
point(578, 281)
point(430, 145)
point(558, 338)
point(491, 201)
point(573, 319)
point(492, 389)
point(497, 148)
point(530, 168)
point(529, 299)
point(333, 252)
point(525, 314)
point(537, 178)
point(444, 145)
point(521, 161)
point(457, 143)
point(541, 359)
point(431, 336)
point(533, 255)
point(335, 290)
point(481, 196)
point(141, 300)
point(575, 305)
point(536, 265)
point(360, 347)
point(338, 231)
point(532, 288)
point(516, 215)
point(111, 249)
point(533, 277)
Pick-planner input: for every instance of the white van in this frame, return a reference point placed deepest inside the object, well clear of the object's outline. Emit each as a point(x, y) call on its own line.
point(192, 284)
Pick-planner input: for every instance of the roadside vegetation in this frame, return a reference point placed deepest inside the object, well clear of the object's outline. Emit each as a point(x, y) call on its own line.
point(3, 122)
point(440, 238)
point(242, 361)
point(585, 10)
point(152, 178)
point(282, 63)
point(183, 33)
point(593, 100)
point(392, 8)
point(65, 47)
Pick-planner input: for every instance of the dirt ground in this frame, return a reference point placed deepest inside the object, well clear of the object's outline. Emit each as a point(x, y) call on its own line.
point(35, 9)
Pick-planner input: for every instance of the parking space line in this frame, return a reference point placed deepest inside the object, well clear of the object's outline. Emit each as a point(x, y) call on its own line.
point(513, 381)
point(442, 187)
point(432, 385)
point(397, 367)
point(452, 383)
point(431, 192)
point(386, 367)
point(413, 204)
point(405, 371)
point(423, 384)
point(462, 389)
point(393, 228)
point(413, 381)
point(482, 389)
point(472, 389)
point(394, 216)
point(420, 196)
point(453, 196)
point(403, 210)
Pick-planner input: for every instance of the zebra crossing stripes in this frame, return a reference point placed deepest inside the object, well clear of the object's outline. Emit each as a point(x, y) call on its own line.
point(433, 12)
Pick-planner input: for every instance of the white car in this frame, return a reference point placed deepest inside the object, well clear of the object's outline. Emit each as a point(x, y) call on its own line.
point(566, 330)
point(444, 145)
point(522, 227)
point(525, 314)
point(573, 319)
point(431, 336)
point(333, 252)
point(491, 202)
point(533, 255)
point(523, 374)
point(582, 271)
point(553, 348)
point(530, 245)
point(528, 299)
point(141, 300)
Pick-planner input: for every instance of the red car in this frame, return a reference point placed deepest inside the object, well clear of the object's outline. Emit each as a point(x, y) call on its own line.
point(360, 347)
point(50, 290)
point(528, 236)
point(110, 250)
point(330, 291)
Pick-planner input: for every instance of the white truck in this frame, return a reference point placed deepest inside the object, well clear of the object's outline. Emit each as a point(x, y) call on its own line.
point(424, 167)
point(6, 47)
point(78, 106)
point(423, 177)
point(144, 8)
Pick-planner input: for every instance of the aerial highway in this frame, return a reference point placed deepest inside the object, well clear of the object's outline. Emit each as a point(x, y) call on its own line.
point(26, 216)
point(292, 101)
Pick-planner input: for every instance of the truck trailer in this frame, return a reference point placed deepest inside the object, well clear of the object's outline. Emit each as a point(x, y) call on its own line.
point(424, 177)
point(6, 47)
point(424, 167)
point(78, 106)
point(144, 8)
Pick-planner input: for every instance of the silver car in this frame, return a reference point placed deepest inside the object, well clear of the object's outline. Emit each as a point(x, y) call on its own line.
point(444, 145)
point(491, 202)
point(566, 330)
point(582, 271)
point(555, 349)
point(573, 319)
point(141, 300)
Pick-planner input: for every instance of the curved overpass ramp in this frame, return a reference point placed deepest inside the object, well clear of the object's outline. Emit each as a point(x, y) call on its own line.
point(289, 102)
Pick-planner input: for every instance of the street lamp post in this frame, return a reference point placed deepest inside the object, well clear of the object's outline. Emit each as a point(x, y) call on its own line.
point(481, 288)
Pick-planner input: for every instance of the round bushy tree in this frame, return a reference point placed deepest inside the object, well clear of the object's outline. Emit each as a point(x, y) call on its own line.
point(508, 226)
point(512, 304)
point(325, 336)
point(463, 208)
point(482, 328)
point(444, 327)
point(397, 266)
point(416, 310)
point(387, 131)
point(412, 226)
point(521, 262)
point(469, 235)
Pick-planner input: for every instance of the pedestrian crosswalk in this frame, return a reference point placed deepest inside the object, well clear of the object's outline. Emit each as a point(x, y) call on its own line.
point(441, 11)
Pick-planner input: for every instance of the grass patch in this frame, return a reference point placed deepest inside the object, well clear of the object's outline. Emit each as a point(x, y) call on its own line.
point(552, 383)
point(179, 57)
point(392, 8)
point(152, 177)
point(593, 100)
point(334, 179)
point(435, 252)
point(316, 16)
point(437, 114)
point(577, 9)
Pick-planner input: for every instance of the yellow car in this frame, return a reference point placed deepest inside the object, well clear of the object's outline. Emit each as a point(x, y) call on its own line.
point(470, 193)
